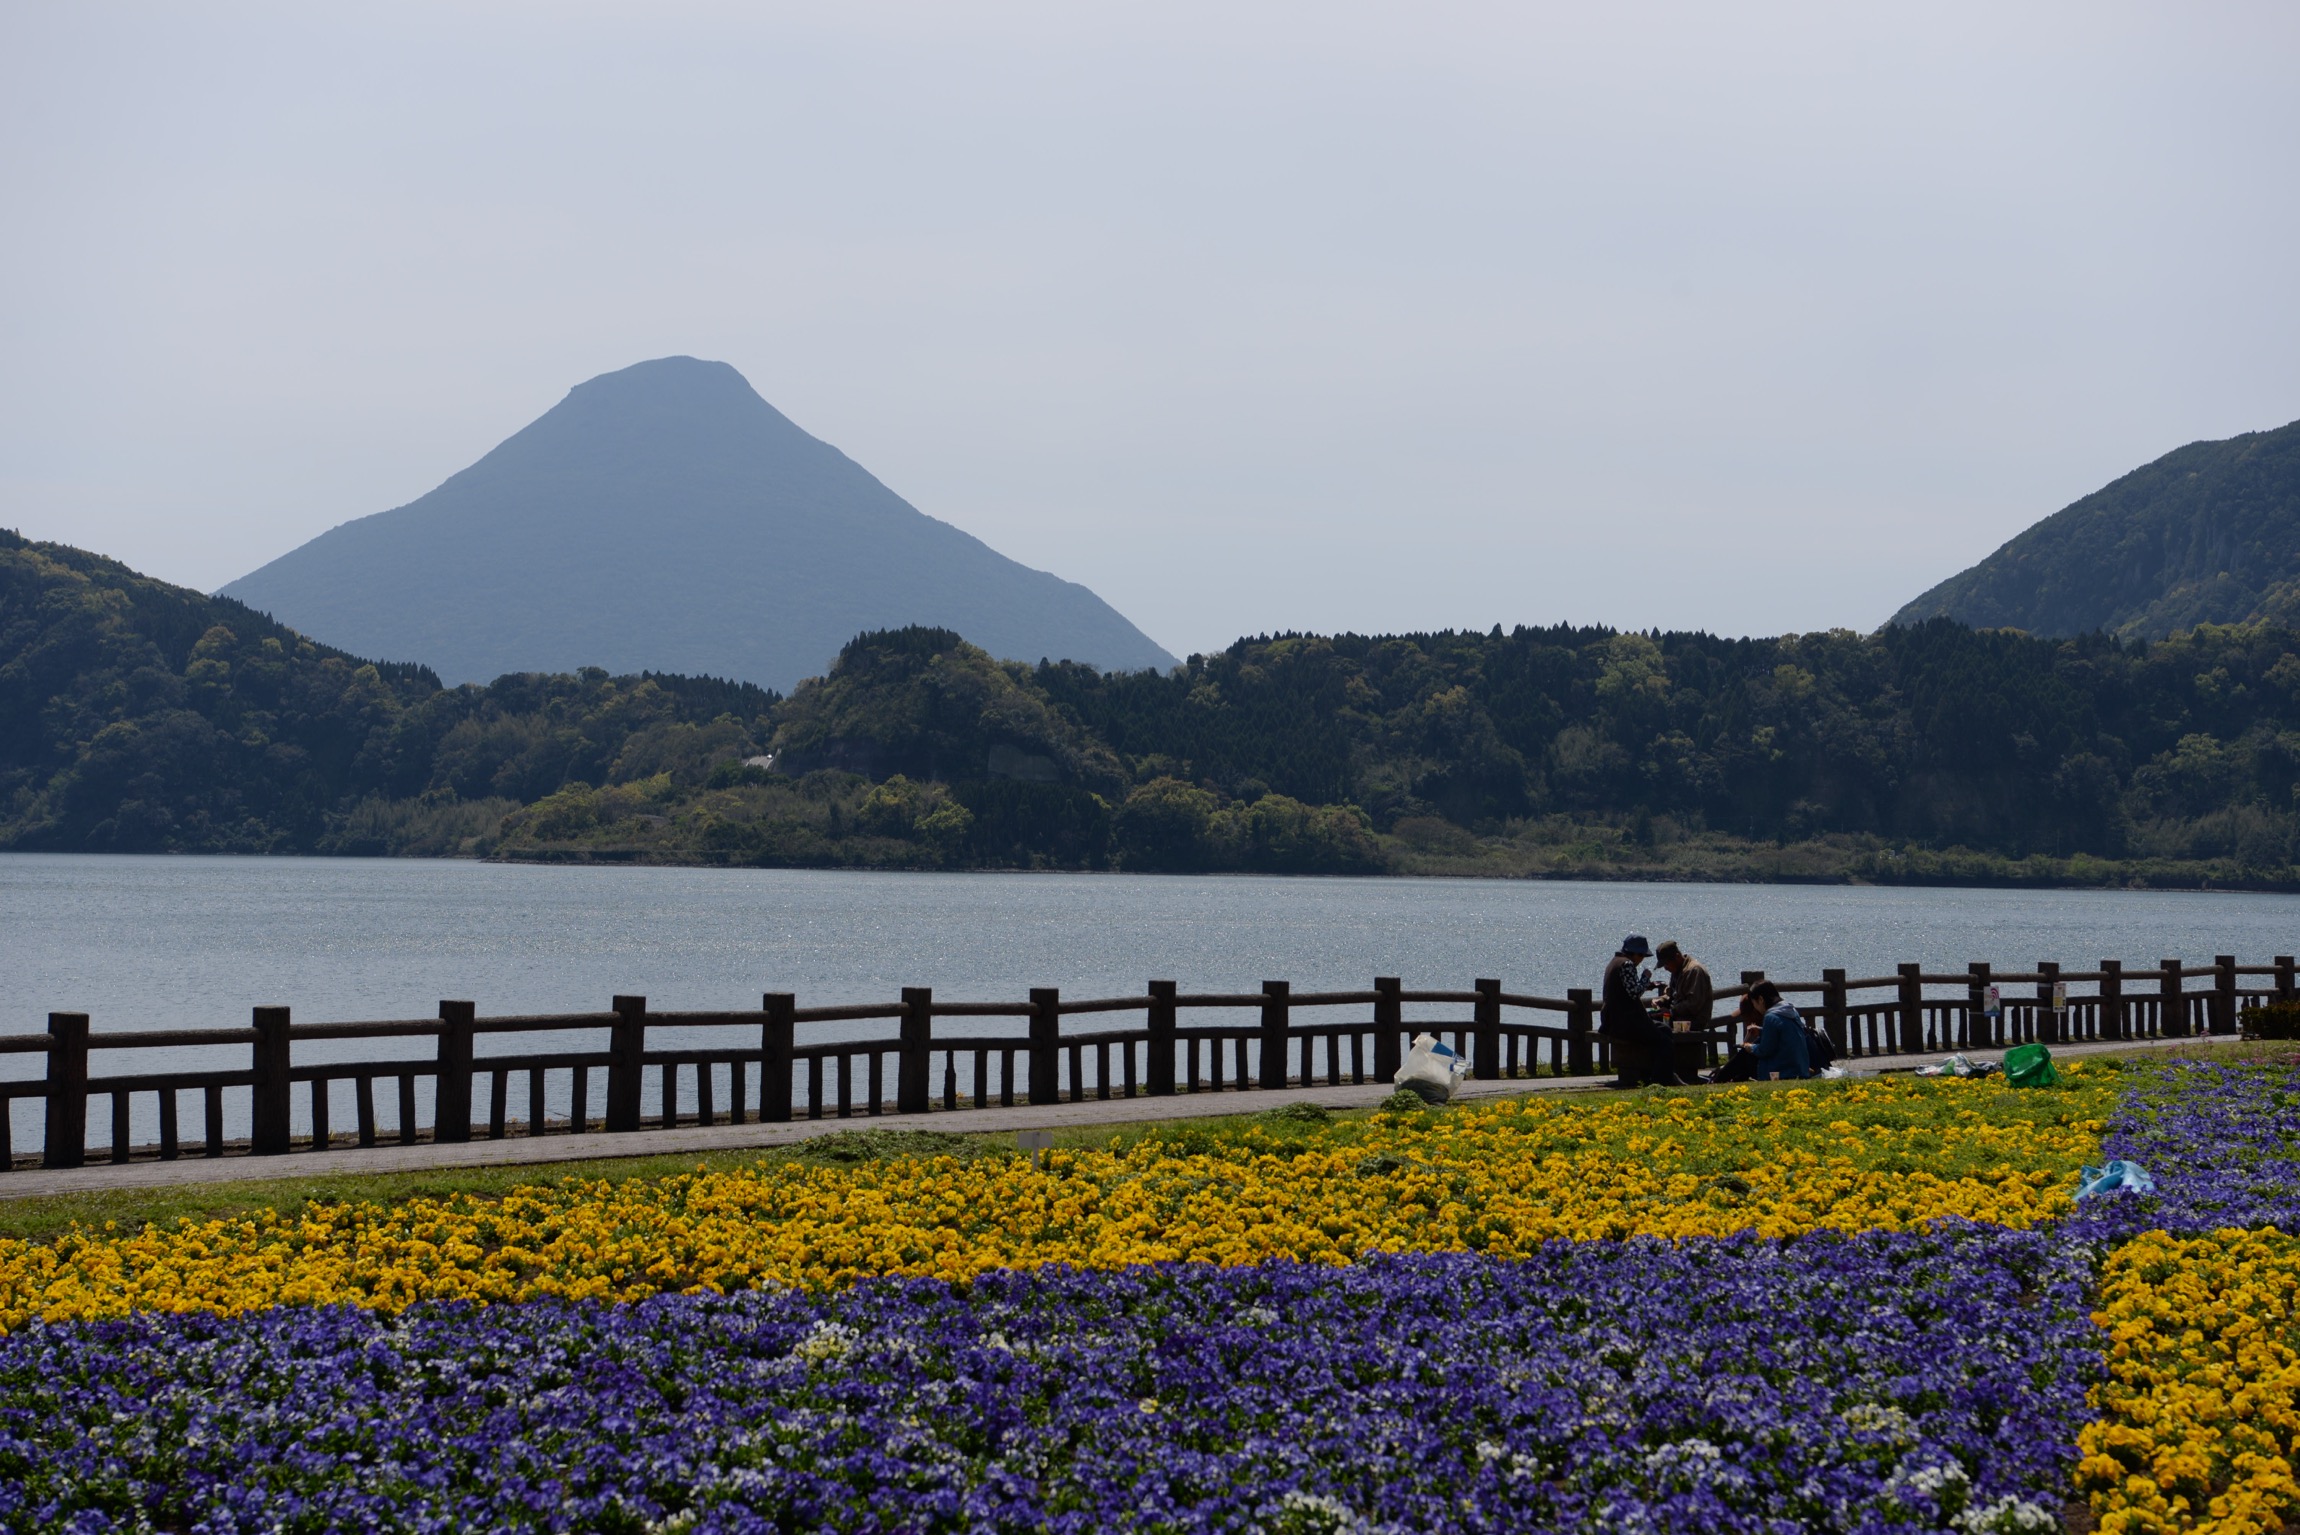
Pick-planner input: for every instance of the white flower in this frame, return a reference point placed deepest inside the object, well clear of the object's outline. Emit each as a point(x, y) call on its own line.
point(1312, 1512)
point(1932, 1481)
point(1880, 1418)
point(829, 1340)
point(1490, 1453)
point(1947, 1487)
point(1689, 1453)
point(2008, 1515)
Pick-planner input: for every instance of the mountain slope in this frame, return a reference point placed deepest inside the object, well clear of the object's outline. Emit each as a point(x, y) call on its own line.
point(666, 518)
point(139, 716)
point(2209, 533)
point(136, 716)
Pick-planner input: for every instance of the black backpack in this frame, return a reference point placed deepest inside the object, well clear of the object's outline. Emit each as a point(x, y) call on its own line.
point(1819, 1051)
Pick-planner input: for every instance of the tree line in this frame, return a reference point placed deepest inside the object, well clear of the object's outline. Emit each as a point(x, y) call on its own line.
point(1936, 734)
point(136, 716)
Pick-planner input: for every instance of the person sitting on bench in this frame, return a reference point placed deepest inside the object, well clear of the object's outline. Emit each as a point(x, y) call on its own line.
point(1640, 1042)
point(1780, 1050)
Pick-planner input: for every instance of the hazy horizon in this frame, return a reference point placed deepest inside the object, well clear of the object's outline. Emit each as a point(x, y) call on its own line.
point(1295, 318)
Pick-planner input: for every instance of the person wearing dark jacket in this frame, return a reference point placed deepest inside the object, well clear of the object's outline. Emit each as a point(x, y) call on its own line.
point(1692, 999)
point(1640, 1045)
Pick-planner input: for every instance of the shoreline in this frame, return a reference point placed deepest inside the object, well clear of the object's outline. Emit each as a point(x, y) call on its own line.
point(2102, 875)
point(2116, 877)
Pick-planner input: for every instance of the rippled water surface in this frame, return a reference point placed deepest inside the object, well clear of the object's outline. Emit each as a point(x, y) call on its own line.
point(160, 942)
point(195, 942)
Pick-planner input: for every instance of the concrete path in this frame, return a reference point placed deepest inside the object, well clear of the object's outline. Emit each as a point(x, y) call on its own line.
point(691, 1140)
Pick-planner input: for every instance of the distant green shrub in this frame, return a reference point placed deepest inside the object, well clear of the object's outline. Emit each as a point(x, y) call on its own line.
point(2271, 1020)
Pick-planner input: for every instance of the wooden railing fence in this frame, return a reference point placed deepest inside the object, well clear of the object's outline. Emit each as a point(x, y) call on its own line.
point(772, 1075)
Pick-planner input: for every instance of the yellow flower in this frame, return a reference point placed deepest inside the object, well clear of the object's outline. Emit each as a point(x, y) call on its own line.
point(1500, 1178)
point(2199, 1419)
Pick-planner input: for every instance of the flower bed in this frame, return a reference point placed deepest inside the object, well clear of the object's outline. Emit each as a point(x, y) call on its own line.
point(2222, 1141)
point(1499, 1178)
point(1878, 1381)
point(2201, 1411)
point(2199, 1425)
point(1794, 1323)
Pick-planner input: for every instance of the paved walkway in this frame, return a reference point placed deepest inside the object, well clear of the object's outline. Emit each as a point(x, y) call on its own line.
point(690, 1140)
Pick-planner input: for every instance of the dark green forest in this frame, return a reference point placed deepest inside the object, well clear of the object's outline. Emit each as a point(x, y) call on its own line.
point(136, 716)
point(1937, 735)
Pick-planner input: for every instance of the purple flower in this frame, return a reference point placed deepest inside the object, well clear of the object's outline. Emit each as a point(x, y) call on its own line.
point(1882, 1381)
point(2222, 1142)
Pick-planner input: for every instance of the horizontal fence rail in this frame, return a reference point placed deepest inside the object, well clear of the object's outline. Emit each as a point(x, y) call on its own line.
point(1170, 1044)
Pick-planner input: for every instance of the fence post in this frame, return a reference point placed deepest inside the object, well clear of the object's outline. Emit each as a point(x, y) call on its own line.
point(1979, 1035)
point(2173, 1024)
point(2224, 994)
point(1045, 1044)
point(268, 1126)
point(1579, 1023)
point(1389, 1023)
point(1485, 1047)
point(1277, 1017)
point(451, 1103)
point(1833, 1007)
point(67, 1142)
point(2112, 1012)
point(626, 1062)
point(1161, 1039)
point(1912, 1009)
point(917, 1052)
point(2285, 978)
point(775, 1044)
point(2047, 1021)
point(1749, 978)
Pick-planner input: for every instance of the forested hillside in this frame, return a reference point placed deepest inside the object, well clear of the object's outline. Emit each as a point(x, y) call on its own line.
point(141, 717)
point(2207, 534)
point(1936, 734)
point(138, 716)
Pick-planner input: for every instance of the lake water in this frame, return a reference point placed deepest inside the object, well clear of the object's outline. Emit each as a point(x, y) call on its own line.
point(162, 942)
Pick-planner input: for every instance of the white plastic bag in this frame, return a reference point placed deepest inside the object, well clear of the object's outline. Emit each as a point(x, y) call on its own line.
point(1431, 1068)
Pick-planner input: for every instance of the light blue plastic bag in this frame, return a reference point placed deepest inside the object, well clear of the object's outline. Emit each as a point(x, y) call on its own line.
point(2128, 1176)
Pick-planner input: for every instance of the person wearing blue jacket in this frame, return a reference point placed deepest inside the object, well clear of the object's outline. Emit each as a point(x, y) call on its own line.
point(1780, 1048)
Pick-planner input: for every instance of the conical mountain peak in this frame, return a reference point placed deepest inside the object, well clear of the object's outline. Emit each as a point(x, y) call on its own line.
point(665, 517)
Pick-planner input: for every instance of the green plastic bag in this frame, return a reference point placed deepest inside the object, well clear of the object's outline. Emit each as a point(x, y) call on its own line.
point(2030, 1066)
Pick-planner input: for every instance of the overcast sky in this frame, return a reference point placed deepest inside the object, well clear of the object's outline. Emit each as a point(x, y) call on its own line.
point(1751, 318)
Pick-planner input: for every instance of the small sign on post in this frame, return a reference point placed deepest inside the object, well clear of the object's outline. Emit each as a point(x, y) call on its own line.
point(1995, 1004)
point(1037, 1143)
point(2060, 1008)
